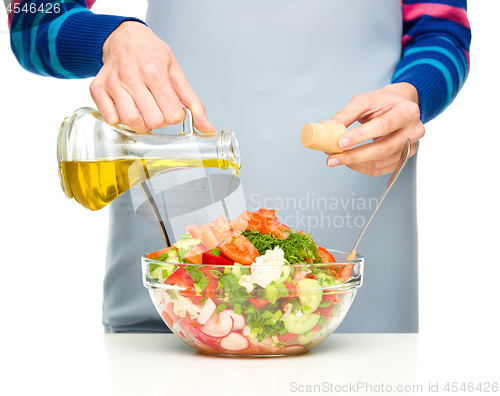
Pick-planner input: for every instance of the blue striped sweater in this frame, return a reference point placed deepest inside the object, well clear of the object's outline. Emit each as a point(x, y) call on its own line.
point(68, 44)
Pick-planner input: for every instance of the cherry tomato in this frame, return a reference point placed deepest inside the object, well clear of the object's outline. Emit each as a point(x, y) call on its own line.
point(239, 249)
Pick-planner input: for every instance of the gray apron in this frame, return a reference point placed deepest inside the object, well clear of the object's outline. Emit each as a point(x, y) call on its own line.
point(264, 68)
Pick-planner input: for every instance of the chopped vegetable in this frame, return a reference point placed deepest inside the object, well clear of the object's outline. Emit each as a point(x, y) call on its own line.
point(248, 284)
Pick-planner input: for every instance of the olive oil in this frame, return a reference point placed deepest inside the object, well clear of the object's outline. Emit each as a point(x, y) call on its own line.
point(96, 183)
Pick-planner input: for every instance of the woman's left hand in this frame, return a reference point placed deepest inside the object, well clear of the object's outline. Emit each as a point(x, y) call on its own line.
point(389, 116)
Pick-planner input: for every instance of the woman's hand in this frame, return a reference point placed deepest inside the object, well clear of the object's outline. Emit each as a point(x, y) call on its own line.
point(141, 84)
point(389, 116)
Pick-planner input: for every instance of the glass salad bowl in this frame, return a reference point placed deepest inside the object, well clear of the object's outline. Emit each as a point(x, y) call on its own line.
point(217, 310)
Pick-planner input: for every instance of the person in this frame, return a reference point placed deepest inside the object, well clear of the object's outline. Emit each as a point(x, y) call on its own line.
point(265, 68)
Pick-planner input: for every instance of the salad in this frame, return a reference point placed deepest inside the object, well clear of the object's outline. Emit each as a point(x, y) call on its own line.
point(250, 286)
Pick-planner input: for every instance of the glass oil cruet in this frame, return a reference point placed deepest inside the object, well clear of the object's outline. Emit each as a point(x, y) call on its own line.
point(99, 162)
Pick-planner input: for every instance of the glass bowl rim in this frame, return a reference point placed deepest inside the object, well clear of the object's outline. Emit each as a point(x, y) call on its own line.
point(358, 260)
point(348, 285)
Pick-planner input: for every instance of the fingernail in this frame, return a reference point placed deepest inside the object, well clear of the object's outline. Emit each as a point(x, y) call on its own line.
point(344, 143)
point(333, 162)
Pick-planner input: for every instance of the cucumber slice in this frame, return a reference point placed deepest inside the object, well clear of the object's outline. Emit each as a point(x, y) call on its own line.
point(163, 271)
point(302, 324)
point(187, 243)
point(310, 295)
point(168, 255)
point(286, 273)
point(174, 253)
point(173, 260)
point(306, 340)
point(236, 270)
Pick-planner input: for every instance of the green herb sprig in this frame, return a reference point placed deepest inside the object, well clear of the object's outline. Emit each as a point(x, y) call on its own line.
point(297, 247)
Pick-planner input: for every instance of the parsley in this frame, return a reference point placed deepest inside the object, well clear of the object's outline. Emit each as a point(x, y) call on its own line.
point(297, 247)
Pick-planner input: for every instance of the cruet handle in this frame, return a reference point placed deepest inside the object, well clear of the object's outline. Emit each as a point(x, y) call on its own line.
point(187, 124)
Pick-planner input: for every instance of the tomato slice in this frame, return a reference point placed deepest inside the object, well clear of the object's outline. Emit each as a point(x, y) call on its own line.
point(299, 275)
point(274, 228)
point(212, 281)
point(331, 297)
point(266, 222)
point(287, 337)
point(326, 255)
point(209, 258)
point(180, 277)
point(239, 249)
point(258, 303)
point(345, 274)
point(267, 213)
point(158, 253)
point(194, 255)
point(208, 238)
point(196, 300)
point(255, 222)
point(292, 290)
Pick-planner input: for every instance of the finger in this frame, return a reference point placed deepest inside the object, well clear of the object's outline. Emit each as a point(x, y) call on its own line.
point(104, 103)
point(199, 116)
point(353, 111)
point(152, 116)
point(373, 172)
point(399, 116)
point(379, 150)
point(167, 101)
point(189, 98)
point(391, 160)
point(128, 112)
point(383, 170)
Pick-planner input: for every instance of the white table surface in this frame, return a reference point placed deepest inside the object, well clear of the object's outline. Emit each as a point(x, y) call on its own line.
point(145, 364)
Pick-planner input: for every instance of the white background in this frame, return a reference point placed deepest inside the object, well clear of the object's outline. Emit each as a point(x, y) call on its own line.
point(53, 250)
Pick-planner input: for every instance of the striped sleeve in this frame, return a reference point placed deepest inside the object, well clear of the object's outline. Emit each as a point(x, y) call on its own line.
point(435, 56)
point(64, 43)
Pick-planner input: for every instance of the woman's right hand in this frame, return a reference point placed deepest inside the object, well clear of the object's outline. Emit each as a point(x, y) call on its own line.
point(141, 84)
